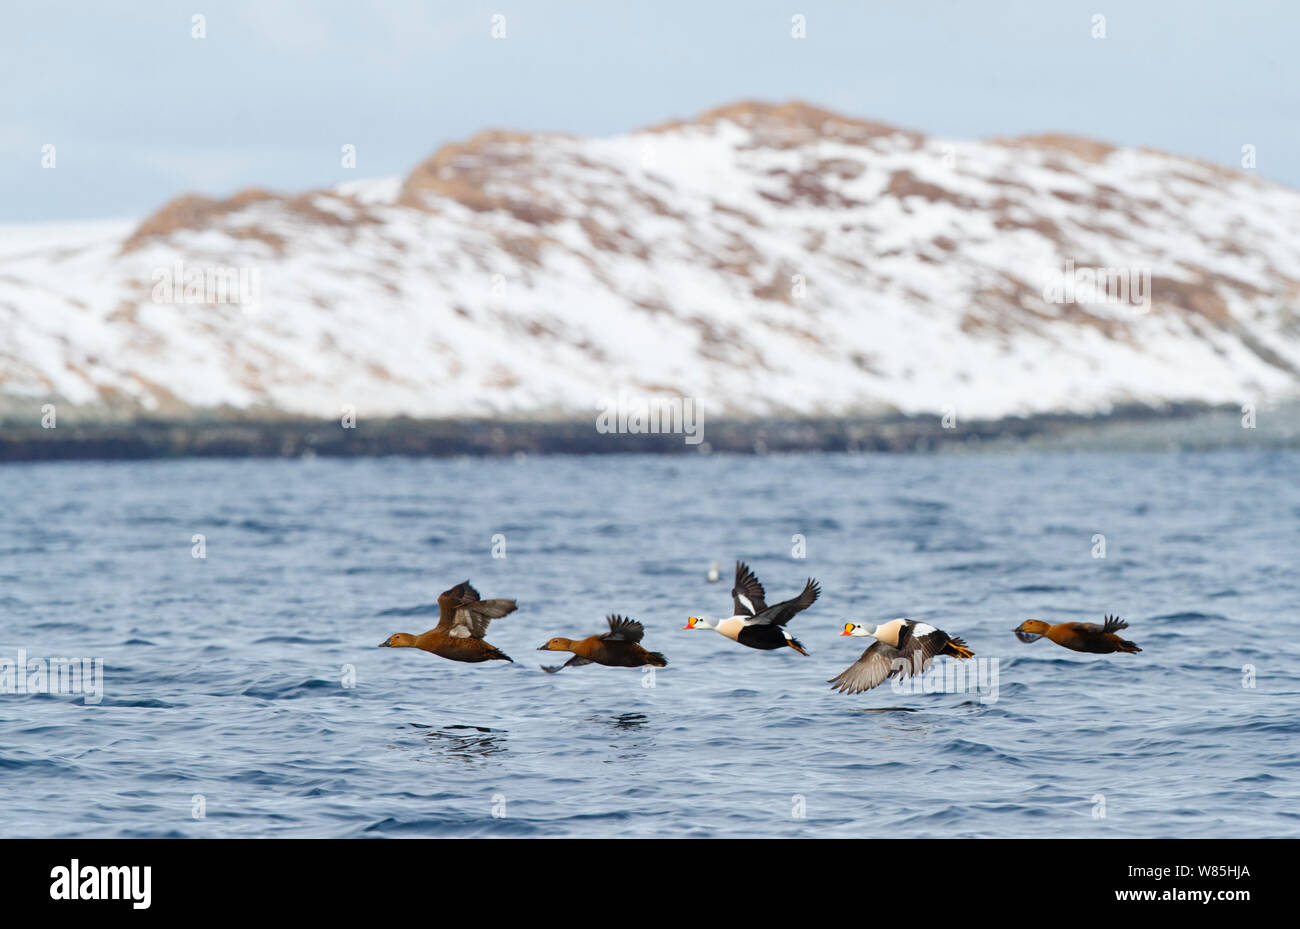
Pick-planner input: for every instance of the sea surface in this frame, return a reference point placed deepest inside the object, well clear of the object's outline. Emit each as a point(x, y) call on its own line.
point(243, 693)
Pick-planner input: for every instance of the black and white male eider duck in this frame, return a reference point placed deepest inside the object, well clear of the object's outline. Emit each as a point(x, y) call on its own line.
point(618, 648)
point(755, 623)
point(462, 623)
point(902, 648)
point(1079, 637)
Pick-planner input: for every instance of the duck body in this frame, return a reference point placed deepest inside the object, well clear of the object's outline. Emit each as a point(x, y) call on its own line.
point(618, 648)
point(902, 648)
point(1080, 637)
point(764, 636)
point(755, 624)
point(462, 622)
point(458, 649)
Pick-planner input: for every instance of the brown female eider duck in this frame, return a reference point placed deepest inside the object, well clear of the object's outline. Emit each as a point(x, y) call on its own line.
point(462, 623)
point(902, 648)
point(755, 623)
point(1080, 637)
point(617, 648)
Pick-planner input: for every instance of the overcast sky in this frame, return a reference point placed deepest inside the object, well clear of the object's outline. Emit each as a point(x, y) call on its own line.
point(139, 111)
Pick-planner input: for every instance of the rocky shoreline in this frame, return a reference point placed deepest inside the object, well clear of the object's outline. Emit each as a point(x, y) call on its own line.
point(1187, 426)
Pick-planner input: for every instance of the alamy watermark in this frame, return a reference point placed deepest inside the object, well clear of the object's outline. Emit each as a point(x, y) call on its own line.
point(25, 675)
point(209, 285)
point(974, 676)
point(103, 882)
point(637, 414)
point(1126, 286)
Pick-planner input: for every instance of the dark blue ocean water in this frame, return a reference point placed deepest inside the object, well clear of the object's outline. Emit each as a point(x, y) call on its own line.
point(224, 677)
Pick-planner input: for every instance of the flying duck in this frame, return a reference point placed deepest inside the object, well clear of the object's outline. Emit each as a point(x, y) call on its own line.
point(1080, 637)
point(617, 648)
point(755, 623)
point(462, 623)
point(902, 648)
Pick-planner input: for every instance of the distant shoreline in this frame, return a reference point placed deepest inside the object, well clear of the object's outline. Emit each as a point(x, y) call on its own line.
point(1137, 428)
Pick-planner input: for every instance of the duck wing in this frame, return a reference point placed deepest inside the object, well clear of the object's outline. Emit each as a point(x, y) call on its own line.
point(575, 662)
point(747, 594)
point(877, 663)
point(918, 645)
point(783, 612)
point(474, 618)
point(1113, 624)
point(623, 630)
point(464, 615)
point(459, 595)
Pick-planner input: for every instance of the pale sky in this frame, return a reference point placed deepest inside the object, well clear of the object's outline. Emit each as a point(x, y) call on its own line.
point(139, 111)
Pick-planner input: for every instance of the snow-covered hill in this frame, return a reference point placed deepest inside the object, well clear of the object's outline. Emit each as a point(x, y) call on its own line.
point(764, 260)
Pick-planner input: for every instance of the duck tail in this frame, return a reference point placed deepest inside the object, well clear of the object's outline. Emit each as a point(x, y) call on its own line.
point(1126, 646)
point(657, 659)
point(498, 655)
point(796, 645)
point(957, 649)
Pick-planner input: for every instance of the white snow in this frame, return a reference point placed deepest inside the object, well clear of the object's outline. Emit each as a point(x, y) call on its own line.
point(672, 270)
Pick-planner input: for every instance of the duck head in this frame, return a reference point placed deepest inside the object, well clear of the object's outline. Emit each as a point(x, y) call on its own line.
point(887, 633)
point(699, 622)
point(557, 645)
point(1031, 630)
point(398, 640)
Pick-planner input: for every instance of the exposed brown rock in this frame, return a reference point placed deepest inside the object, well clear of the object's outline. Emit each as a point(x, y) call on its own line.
point(727, 345)
point(904, 183)
point(1089, 150)
point(461, 171)
point(1193, 296)
point(777, 289)
point(195, 212)
point(807, 188)
point(786, 125)
point(748, 218)
point(527, 249)
point(192, 211)
point(613, 240)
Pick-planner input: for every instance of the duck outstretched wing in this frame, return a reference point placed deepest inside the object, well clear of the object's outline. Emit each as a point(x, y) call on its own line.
point(575, 662)
point(747, 594)
point(783, 612)
point(877, 663)
point(464, 615)
point(623, 630)
point(1113, 624)
point(459, 595)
